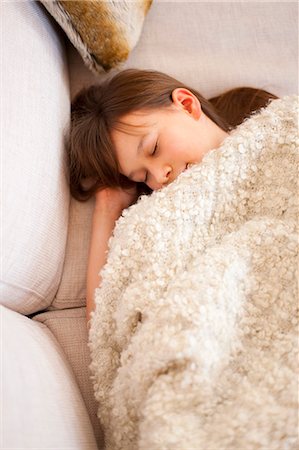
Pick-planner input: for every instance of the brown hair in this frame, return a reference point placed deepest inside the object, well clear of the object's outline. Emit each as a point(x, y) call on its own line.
point(98, 109)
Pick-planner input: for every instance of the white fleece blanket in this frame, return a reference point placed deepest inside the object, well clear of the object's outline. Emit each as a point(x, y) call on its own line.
point(194, 340)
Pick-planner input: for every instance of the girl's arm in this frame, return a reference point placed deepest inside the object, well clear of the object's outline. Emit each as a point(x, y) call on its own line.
point(108, 207)
point(102, 228)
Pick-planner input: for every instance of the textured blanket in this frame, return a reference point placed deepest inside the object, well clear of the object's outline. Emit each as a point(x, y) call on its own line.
point(194, 340)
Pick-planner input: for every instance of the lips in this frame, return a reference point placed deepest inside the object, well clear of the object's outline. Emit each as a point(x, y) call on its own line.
point(187, 167)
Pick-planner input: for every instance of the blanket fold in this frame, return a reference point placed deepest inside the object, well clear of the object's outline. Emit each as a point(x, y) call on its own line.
point(194, 340)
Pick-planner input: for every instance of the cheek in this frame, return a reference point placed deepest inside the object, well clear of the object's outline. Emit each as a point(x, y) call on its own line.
point(177, 150)
point(191, 145)
point(174, 145)
point(181, 141)
point(180, 148)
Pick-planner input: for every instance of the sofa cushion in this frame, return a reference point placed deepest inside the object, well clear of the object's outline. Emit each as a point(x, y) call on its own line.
point(35, 105)
point(70, 329)
point(42, 406)
point(72, 288)
point(104, 32)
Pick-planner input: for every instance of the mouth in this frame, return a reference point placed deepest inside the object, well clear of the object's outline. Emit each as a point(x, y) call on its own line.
point(187, 167)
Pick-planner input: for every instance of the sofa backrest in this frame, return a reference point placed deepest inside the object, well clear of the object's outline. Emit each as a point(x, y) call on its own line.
point(215, 46)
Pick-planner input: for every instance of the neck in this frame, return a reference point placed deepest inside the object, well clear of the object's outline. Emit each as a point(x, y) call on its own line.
point(221, 136)
point(217, 133)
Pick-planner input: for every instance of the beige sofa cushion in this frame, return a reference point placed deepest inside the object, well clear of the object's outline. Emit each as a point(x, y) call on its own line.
point(41, 404)
point(70, 330)
point(35, 104)
point(71, 292)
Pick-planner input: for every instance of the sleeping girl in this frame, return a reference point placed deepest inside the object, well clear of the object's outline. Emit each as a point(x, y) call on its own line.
point(192, 276)
point(137, 133)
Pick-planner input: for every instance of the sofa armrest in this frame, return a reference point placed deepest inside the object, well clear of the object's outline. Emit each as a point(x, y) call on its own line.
point(35, 113)
point(42, 406)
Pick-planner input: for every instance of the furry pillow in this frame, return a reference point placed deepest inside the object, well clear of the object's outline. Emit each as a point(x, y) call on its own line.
point(103, 31)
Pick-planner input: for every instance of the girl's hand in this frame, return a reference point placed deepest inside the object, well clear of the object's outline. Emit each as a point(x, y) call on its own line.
point(112, 201)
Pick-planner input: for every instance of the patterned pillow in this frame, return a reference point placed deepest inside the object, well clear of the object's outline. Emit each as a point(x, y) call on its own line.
point(103, 31)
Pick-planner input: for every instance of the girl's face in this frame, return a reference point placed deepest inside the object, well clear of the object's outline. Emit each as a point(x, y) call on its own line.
point(156, 146)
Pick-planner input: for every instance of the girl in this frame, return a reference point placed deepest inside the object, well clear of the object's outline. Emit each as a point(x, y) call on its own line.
point(137, 133)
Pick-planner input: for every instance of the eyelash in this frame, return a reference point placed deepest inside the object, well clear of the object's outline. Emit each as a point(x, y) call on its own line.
point(152, 154)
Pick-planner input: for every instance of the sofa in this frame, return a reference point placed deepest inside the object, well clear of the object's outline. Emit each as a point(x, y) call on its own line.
point(47, 399)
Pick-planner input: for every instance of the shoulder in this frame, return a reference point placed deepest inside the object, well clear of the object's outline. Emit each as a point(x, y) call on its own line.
point(285, 108)
point(284, 105)
point(279, 116)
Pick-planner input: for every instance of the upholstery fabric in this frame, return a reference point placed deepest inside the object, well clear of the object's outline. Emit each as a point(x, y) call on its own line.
point(42, 406)
point(70, 330)
point(72, 290)
point(215, 46)
point(35, 105)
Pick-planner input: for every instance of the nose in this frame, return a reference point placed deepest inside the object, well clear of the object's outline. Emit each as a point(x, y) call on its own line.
point(162, 174)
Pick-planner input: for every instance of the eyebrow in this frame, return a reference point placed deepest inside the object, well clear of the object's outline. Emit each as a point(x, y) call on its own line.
point(139, 149)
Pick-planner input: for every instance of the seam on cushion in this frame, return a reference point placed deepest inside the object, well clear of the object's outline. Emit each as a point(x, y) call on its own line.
point(60, 317)
point(32, 291)
point(64, 317)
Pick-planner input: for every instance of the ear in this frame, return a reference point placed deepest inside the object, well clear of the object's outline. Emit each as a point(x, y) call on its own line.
point(184, 99)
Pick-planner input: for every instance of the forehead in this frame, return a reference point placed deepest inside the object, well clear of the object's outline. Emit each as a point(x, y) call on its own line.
point(136, 123)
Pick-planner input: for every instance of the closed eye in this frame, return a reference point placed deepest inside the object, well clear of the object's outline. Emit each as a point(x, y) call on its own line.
point(155, 149)
point(152, 154)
